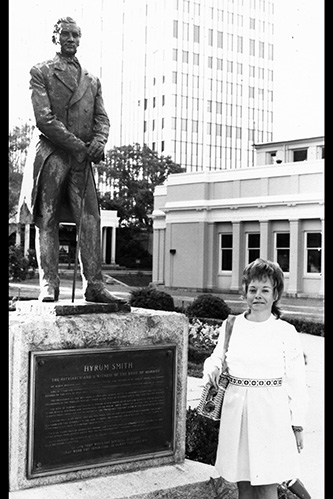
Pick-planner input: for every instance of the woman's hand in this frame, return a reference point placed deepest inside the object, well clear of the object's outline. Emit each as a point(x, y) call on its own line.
point(299, 440)
point(213, 377)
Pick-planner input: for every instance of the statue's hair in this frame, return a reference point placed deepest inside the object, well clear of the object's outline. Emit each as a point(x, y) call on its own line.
point(57, 27)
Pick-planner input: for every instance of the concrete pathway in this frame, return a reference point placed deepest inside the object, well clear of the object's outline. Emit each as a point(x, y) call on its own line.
point(312, 456)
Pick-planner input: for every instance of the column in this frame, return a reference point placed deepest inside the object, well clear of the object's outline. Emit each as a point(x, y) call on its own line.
point(322, 274)
point(113, 244)
point(103, 240)
point(264, 239)
point(236, 240)
point(295, 258)
point(26, 238)
point(18, 234)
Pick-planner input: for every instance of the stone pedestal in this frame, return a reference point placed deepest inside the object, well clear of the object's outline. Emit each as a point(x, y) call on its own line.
point(47, 329)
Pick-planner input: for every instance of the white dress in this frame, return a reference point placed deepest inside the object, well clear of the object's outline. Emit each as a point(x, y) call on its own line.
point(256, 440)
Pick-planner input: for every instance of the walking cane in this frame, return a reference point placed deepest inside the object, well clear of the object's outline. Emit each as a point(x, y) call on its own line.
point(79, 229)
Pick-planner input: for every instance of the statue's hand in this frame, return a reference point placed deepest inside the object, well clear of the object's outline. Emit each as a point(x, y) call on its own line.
point(95, 151)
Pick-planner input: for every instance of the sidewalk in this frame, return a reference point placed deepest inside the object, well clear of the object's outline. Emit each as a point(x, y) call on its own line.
point(312, 456)
point(310, 308)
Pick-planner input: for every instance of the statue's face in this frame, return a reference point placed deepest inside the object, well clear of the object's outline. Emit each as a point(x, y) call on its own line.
point(69, 38)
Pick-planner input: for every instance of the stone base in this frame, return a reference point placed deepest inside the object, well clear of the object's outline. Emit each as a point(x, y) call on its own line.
point(47, 332)
point(66, 307)
point(190, 480)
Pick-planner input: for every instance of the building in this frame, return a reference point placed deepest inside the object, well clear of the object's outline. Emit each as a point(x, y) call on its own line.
point(196, 80)
point(209, 225)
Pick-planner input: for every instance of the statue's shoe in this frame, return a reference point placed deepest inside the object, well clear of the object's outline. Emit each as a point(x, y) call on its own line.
point(98, 293)
point(49, 294)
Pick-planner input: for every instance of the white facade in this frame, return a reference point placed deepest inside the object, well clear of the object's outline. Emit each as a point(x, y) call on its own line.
point(197, 80)
point(209, 225)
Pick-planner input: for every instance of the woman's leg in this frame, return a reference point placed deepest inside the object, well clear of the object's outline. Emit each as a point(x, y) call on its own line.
point(245, 490)
point(266, 491)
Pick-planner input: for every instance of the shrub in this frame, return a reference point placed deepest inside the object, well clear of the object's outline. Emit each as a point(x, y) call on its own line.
point(201, 437)
point(150, 297)
point(208, 305)
point(17, 263)
point(306, 326)
point(203, 334)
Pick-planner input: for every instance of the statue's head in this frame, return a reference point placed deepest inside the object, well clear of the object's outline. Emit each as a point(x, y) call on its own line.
point(67, 34)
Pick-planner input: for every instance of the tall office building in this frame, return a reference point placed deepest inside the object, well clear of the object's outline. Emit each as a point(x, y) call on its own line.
point(196, 80)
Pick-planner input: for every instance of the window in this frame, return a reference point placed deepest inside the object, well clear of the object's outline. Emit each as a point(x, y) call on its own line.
point(226, 252)
point(300, 155)
point(175, 29)
point(313, 252)
point(282, 245)
point(253, 247)
point(174, 54)
point(230, 66)
point(261, 49)
point(196, 59)
point(185, 56)
point(210, 37)
point(186, 31)
point(220, 39)
point(252, 47)
point(271, 157)
point(196, 34)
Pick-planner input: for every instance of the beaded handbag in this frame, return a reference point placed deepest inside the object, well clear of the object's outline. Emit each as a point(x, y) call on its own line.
point(211, 399)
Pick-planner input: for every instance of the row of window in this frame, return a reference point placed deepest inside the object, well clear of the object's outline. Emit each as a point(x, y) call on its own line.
point(233, 42)
point(231, 66)
point(263, 5)
point(312, 247)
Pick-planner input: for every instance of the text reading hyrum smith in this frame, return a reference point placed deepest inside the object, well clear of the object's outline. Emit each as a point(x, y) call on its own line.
point(95, 407)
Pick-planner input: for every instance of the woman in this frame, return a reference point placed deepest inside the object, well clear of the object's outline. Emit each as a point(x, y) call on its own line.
point(264, 406)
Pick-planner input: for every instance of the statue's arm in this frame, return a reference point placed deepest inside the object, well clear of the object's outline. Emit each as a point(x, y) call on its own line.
point(101, 121)
point(48, 123)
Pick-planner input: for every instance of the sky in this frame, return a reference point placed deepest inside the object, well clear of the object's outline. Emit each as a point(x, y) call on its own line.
point(298, 56)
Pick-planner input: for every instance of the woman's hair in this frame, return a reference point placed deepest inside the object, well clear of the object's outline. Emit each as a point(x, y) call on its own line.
point(261, 269)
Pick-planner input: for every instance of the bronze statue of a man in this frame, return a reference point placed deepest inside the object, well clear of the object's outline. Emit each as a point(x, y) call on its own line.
point(73, 128)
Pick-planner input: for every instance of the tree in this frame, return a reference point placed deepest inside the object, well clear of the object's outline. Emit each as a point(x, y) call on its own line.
point(135, 172)
point(19, 140)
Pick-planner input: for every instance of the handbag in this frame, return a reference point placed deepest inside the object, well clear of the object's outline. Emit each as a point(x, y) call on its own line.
point(297, 487)
point(211, 400)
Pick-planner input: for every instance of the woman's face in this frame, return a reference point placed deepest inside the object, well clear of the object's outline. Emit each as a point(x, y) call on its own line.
point(261, 295)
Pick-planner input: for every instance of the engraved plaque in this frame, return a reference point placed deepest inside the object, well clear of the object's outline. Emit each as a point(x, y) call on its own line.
point(92, 407)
